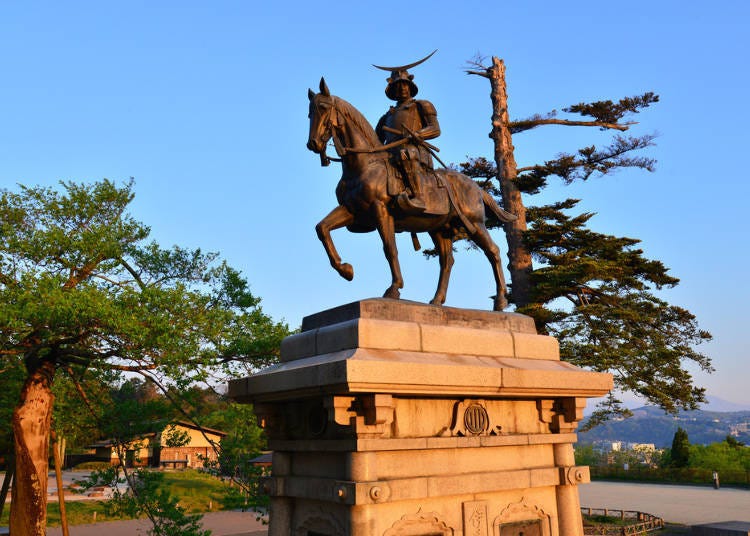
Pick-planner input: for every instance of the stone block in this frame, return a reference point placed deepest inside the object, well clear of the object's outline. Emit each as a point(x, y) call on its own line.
point(351, 334)
point(299, 345)
point(466, 341)
point(341, 336)
point(532, 346)
point(389, 335)
point(420, 313)
point(420, 373)
point(518, 381)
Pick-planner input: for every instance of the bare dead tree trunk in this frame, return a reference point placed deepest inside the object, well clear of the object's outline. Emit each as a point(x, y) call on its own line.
point(31, 427)
point(520, 259)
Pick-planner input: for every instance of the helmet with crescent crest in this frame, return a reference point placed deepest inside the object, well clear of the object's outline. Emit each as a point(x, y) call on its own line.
point(401, 74)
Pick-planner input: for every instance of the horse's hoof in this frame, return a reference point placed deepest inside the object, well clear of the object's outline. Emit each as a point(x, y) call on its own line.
point(347, 271)
point(500, 303)
point(436, 301)
point(392, 293)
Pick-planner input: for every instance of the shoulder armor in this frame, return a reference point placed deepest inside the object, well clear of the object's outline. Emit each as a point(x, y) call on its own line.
point(381, 121)
point(426, 107)
point(379, 128)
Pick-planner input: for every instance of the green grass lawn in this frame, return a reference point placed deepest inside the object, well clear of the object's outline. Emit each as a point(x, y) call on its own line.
point(78, 513)
point(197, 492)
point(200, 492)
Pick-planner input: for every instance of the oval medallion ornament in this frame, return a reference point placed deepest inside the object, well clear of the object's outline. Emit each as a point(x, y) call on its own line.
point(476, 419)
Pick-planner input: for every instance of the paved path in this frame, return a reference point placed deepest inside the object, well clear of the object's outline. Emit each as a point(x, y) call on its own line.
point(68, 478)
point(675, 504)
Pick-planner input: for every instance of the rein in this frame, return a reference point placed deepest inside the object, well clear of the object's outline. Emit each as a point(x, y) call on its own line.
point(377, 149)
point(333, 121)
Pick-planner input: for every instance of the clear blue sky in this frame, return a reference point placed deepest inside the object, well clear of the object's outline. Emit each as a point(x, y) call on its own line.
point(205, 104)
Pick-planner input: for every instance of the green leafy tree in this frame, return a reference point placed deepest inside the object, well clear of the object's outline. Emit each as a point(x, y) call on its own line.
point(244, 441)
point(74, 425)
point(11, 382)
point(734, 442)
point(592, 291)
point(680, 451)
point(134, 413)
point(82, 288)
point(721, 456)
point(588, 455)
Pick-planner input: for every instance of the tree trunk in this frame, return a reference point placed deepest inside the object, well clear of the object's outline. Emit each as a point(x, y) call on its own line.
point(11, 468)
point(63, 447)
point(520, 259)
point(57, 447)
point(31, 427)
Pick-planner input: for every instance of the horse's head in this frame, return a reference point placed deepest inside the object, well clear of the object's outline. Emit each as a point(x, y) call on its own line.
point(323, 119)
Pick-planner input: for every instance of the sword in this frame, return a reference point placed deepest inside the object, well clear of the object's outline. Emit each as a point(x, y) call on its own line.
point(417, 138)
point(431, 148)
point(411, 133)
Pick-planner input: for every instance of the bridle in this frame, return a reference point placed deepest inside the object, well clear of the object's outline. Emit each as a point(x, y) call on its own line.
point(331, 123)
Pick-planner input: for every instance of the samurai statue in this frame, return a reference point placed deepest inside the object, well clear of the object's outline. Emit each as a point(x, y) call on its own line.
point(414, 121)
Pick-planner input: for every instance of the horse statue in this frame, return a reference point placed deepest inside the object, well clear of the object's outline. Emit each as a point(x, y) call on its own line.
point(368, 202)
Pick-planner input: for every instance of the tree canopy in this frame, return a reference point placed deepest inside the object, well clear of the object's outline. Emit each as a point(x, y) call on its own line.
point(82, 287)
point(680, 451)
point(84, 290)
point(595, 292)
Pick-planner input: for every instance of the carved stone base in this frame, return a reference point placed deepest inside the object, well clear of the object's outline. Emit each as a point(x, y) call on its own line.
point(393, 418)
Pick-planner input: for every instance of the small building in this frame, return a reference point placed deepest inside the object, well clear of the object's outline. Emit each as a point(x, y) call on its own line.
point(264, 462)
point(155, 449)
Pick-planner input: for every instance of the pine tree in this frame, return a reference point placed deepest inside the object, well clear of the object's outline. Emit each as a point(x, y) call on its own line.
point(83, 289)
point(592, 291)
point(680, 452)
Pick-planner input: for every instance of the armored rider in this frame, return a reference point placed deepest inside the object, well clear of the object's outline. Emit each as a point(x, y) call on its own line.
point(414, 120)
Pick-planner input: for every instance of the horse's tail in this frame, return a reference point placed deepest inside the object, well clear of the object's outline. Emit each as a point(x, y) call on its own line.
point(502, 214)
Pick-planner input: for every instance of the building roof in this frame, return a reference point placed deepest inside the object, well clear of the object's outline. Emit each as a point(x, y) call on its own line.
point(160, 426)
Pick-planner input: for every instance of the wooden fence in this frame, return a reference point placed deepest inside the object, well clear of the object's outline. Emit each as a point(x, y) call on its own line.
point(630, 522)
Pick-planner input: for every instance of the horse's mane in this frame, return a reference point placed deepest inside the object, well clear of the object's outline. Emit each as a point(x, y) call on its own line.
point(358, 120)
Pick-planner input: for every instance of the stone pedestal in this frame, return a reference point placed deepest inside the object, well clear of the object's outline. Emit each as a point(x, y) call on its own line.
point(391, 418)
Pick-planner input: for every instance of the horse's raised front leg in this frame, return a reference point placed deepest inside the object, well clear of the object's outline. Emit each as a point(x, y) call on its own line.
point(444, 246)
point(387, 230)
point(481, 238)
point(337, 218)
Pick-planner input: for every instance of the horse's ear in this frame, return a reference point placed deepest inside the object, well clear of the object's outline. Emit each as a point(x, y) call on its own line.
point(324, 87)
point(310, 94)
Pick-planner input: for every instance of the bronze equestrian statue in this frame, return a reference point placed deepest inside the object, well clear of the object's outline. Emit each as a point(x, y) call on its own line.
point(374, 195)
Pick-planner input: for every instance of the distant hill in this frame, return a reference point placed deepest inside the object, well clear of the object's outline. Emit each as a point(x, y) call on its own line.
point(719, 404)
point(650, 424)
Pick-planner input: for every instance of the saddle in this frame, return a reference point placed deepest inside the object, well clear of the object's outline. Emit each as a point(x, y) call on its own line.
point(435, 192)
